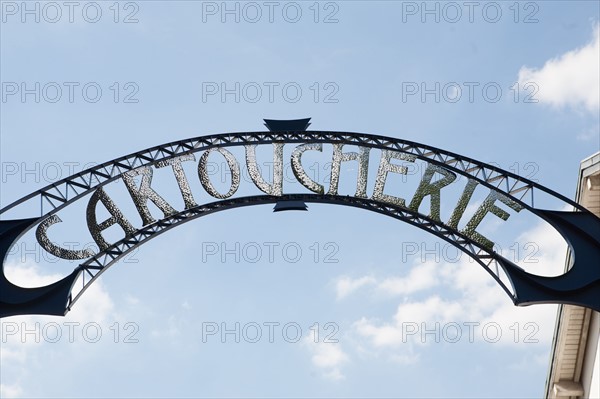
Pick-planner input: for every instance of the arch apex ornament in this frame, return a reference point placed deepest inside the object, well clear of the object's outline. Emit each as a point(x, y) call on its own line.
point(290, 206)
point(290, 125)
point(504, 194)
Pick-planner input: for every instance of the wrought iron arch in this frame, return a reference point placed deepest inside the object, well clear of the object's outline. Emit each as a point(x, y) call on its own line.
point(581, 229)
point(99, 263)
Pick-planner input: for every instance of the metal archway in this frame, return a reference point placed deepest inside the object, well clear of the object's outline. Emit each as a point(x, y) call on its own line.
point(581, 229)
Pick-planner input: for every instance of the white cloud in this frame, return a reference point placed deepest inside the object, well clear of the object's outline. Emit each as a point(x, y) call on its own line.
point(327, 357)
point(410, 322)
point(20, 350)
point(10, 391)
point(28, 275)
point(384, 335)
point(571, 79)
point(433, 308)
point(420, 277)
point(346, 285)
point(472, 297)
point(544, 251)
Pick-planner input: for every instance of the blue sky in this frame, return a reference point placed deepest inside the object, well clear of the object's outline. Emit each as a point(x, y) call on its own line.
point(373, 279)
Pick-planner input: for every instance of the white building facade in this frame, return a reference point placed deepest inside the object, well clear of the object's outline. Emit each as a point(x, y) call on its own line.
point(575, 360)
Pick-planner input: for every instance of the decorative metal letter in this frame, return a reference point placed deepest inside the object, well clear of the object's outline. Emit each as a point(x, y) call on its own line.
point(433, 189)
point(299, 170)
point(234, 167)
point(363, 169)
point(386, 166)
point(272, 189)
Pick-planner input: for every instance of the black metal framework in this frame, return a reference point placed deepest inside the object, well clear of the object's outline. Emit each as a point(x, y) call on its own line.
point(61, 193)
point(96, 265)
point(581, 285)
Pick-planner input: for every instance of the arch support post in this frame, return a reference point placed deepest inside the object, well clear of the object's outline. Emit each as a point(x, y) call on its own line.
point(14, 300)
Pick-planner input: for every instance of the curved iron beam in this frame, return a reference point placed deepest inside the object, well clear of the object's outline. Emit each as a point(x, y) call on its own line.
point(82, 183)
point(99, 263)
point(13, 301)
